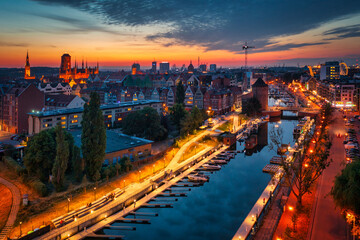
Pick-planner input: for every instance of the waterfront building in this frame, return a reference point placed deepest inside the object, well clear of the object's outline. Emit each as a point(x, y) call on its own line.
point(120, 145)
point(261, 92)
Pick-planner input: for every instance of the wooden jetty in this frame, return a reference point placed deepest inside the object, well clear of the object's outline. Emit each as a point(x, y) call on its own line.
point(144, 214)
point(120, 227)
point(276, 160)
point(133, 220)
point(271, 168)
point(101, 236)
point(157, 205)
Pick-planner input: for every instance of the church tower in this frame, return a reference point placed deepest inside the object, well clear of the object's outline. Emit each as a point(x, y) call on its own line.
point(27, 67)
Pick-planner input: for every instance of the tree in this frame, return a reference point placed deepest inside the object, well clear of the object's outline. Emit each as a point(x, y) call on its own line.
point(346, 189)
point(145, 123)
point(125, 164)
point(251, 107)
point(178, 113)
point(93, 137)
point(77, 164)
point(39, 155)
point(306, 167)
point(180, 93)
point(61, 159)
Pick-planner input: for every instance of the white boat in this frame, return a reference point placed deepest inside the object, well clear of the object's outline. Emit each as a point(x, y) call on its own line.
point(211, 167)
point(197, 178)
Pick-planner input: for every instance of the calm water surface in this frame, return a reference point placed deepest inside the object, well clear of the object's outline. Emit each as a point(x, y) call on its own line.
point(217, 209)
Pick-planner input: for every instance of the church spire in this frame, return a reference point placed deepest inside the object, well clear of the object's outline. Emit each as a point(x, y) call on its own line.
point(27, 59)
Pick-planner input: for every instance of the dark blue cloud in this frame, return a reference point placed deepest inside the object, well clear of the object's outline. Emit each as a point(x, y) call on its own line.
point(343, 32)
point(218, 24)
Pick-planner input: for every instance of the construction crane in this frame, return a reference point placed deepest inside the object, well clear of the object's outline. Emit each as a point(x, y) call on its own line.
point(246, 47)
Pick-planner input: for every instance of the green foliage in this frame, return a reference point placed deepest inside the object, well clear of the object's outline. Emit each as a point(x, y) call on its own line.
point(13, 165)
point(180, 93)
point(178, 113)
point(346, 189)
point(77, 164)
point(39, 187)
point(145, 123)
point(40, 155)
point(251, 107)
point(191, 122)
point(93, 137)
point(126, 165)
point(61, 159)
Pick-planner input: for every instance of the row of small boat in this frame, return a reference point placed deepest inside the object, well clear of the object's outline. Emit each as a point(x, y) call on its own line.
point(213, 165)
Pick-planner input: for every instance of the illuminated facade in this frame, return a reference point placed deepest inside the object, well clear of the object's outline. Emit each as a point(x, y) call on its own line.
point(67, 73)
point(27, 68)
point(330, 71)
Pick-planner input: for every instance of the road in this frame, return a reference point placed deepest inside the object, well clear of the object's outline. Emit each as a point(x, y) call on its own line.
point(326, 221)
point(14, 208)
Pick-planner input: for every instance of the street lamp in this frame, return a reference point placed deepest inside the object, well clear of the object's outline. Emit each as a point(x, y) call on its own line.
point(124, 183)
point(68, 203)
point(139, 175)
point(95, 193)
point(153, 168)
point(20, 229)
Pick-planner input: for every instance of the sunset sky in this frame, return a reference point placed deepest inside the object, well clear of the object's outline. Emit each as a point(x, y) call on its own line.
point(119, 32)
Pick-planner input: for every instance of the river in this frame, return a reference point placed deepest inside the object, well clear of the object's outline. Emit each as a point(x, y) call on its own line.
point(216, 209)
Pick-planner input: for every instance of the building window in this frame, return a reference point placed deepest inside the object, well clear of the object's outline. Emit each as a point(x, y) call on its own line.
point(74, 121)
point(75, 116)
point(63, 118)
point(63, 123)
point(109, 116)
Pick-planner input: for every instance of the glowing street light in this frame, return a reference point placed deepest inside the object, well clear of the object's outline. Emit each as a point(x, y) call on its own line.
point(20, 229)
point(68, 203)
point(95, 193)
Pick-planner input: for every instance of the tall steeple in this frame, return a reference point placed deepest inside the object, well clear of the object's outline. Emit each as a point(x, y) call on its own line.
point(27, 59)
point(27, 66)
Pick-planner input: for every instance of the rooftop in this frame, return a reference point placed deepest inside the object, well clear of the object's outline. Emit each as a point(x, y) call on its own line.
point(81, 109)
point(114, 141)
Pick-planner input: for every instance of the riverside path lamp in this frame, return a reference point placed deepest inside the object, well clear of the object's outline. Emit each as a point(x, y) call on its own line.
point(68, 202)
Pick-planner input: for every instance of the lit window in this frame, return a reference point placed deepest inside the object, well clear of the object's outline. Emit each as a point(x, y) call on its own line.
point(74, 121)
point(75, 116)
point(119, 119)
point(63, 123)
point(129, 109)
point(109, 116)
point(63, 118)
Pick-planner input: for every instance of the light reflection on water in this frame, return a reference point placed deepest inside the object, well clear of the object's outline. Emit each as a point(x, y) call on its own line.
point(217, 209)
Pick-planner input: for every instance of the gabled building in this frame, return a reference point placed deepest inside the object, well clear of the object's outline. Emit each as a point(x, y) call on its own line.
point(16, 103)
point(62, 101)
point(189, 98)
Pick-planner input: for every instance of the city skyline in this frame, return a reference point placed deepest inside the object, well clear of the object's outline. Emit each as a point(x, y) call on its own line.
point(118, 33)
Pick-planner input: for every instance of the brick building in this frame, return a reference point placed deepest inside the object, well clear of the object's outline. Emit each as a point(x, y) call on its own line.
point(16, 102)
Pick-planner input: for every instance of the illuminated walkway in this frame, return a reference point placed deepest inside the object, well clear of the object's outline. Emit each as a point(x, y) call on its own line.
point(14, 208)
point(142, 201)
